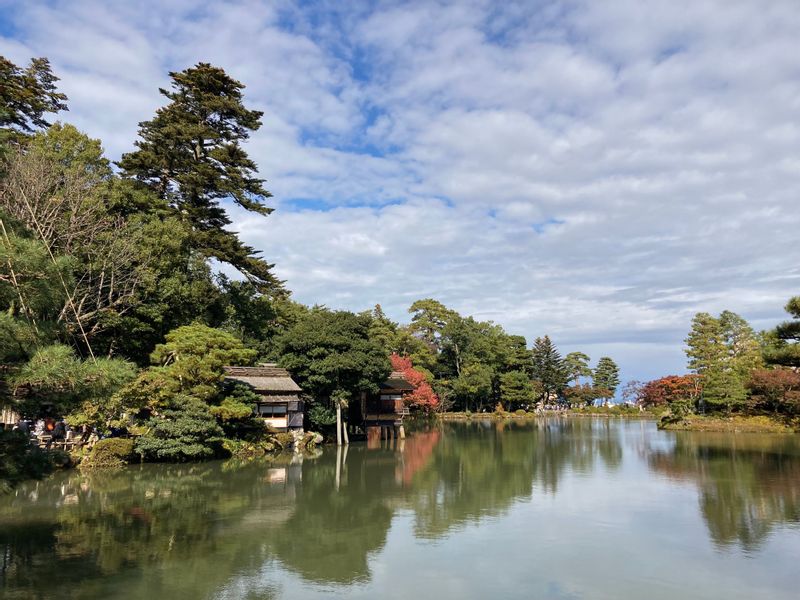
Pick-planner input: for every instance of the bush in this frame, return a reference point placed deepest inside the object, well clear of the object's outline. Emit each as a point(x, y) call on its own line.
point(185, 431)
point(321, 416)
point(19, 460)
point(110, 453)
point(520, 412)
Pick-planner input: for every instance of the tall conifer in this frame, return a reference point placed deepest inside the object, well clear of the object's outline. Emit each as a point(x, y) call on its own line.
point(190, 154)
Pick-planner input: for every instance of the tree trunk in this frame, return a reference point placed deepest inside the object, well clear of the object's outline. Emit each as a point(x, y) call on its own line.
point(346, 435)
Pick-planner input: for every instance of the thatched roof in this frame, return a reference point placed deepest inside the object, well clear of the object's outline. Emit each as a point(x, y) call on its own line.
point(397, 381)
point(264, 378)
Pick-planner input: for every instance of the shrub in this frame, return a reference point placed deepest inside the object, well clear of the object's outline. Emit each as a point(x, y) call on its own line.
point(321, 416)
point(110, 453)
point(185, 431)
point(520, 412)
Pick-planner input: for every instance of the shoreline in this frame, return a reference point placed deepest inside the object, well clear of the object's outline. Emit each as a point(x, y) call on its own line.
point(733, 424)
point(495, 416)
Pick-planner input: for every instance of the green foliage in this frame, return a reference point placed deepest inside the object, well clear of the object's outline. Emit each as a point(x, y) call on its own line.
point(194, 357)
point(577, 366)
point(110, 453)
point(723, 389)
point(606, 376)
point(784, 346)
point(723, 351)
point(19, 461)
point(190, 154)
point(516, 389)
point(585, 394)
point(548, 368)
point(321, 416)
point(55, 380)
point(474, 385)
point(428, 320)
point(328, 351)
point(25, 97)
point(185, 431)
point(30, 285)
point(231, 409)
point(706, 347)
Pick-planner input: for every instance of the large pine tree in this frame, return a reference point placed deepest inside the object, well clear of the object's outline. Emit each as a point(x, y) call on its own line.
point(190, 154)
point(606, 376)
point(548, 368)
point(706, 348)
point(26, 95)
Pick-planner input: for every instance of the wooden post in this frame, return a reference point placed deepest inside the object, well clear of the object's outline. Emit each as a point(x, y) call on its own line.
point(338, 424)
point(402, 433)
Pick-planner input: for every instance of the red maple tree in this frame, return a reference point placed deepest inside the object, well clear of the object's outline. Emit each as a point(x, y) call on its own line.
point(423, 397)
point(669, 389)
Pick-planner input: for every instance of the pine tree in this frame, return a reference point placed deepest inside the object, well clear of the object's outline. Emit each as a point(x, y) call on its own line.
point(25, 96)
point(720, 352)
point(785, 349)
point(577, 365)
point(723, 389)
point(744, 352)
point(606, 375)
point(190, 154)
point(706, 348)
point(548, 368)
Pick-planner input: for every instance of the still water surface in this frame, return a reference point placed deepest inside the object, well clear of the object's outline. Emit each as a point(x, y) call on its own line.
point(555, 509)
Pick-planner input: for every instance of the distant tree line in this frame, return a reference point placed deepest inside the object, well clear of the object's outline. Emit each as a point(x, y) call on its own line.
point(734, 370)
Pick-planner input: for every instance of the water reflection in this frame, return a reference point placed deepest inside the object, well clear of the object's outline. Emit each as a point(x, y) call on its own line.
point(193, 531)
point(748, 483)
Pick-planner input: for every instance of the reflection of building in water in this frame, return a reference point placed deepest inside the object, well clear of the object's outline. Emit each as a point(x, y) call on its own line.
point(280, 403)
point(382, 414)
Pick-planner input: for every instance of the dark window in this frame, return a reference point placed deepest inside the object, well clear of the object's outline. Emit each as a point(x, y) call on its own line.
point(272, 410)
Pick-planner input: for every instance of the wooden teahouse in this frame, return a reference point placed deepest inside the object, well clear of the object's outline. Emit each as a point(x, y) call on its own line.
point(383, 414)
point(280, 403)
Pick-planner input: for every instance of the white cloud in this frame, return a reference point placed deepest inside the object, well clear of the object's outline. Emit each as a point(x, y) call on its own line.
point(597, 171)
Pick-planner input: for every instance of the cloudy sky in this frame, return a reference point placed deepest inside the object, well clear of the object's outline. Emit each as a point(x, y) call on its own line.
point(597, 171)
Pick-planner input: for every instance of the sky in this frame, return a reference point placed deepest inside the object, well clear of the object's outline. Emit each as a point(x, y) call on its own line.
point(595, 171)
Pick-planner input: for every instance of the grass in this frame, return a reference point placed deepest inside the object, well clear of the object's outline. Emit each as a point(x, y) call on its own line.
point(735, 423)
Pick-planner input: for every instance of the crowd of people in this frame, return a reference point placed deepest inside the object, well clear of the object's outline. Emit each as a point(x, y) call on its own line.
point(49, 432)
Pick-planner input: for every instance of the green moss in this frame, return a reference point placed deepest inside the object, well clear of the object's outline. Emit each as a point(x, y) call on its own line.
point(110, 453)
point(243, 449)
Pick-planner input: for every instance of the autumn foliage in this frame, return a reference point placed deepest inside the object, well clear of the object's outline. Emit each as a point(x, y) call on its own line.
point(423, 396)
point(669, 389)
point(775, 390)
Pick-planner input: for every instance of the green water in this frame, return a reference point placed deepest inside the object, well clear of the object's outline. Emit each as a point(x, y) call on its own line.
point(562, 509)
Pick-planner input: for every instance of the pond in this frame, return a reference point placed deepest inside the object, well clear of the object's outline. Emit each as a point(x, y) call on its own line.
point(569, 508)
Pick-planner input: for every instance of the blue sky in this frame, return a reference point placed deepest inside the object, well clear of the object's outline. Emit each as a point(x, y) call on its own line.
point(597, 171)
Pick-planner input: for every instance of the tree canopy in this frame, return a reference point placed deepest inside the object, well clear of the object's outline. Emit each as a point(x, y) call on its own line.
point(190, 155)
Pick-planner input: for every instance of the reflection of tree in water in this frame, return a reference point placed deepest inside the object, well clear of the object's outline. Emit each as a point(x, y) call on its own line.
point(748, 483)
point(97, 534)
point(481, 469)
point(209, 528)
point(333, 530)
